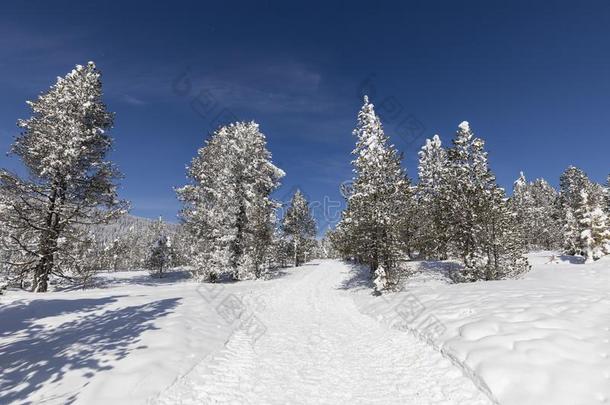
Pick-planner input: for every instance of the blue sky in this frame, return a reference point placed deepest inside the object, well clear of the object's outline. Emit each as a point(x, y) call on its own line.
point(532, 78)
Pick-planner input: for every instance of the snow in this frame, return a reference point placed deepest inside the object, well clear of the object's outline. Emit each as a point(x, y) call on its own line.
point(314, 334)
point(142, 340)
point(464, 126)
point(542, 339)
point(318, 349)
point(118, 344)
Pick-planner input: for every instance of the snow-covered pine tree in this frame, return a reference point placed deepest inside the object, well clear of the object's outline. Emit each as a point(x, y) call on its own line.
point(503, 242)
point(545, 231)
point(534, 206)
point(571, 184)
point(259, 236)
point(71, 184)
point(465, 195)
point(341, 245)
point(315, 251)
point(300, 226)
point(479, 220)
point(377, 208)
point(83, 259)
point(594, 238)
point(280, 249)
point(433, 234)
point(521, 206)
point(181, 247)
point(227, 207)
point(327, 246)
point(520, 200)
point(161, 252)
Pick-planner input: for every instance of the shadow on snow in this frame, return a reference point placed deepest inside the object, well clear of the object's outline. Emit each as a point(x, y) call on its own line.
point(41, 355)
point(359, 277)
point(572, 259)
point(144, 278)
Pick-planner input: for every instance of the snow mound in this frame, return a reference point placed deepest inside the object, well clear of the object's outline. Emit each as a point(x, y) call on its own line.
point(542, 339)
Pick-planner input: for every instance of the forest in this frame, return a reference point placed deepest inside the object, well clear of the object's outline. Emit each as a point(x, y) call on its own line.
point(65, 221)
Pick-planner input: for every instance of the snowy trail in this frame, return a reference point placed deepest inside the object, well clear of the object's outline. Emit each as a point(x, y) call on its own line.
point(319, 349)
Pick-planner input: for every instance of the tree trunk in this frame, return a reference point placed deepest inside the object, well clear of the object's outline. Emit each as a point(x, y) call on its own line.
point(374, 263)
point(42, 272)
point(238, 243)
point(48, 244)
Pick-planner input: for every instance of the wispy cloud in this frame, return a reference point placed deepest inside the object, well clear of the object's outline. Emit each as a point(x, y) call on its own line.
point(16, 40)
point(272, 88)
point(24, 51)
point(133, 100)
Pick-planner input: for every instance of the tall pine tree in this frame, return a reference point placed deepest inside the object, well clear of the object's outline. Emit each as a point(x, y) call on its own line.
point(376, 209)
point(593, 242)
point(227, 205)
point(432, 222)
point(572, 183)
point(480, 223)
point(70, 185)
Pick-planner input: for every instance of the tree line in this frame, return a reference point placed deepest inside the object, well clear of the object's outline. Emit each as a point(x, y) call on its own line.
point(65, 220)
point(457, 211)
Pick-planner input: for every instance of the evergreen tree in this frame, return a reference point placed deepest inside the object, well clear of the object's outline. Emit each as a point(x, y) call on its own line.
point(161, 252)
point(594, 237)
point(281, 249)
point(327, 245)
point(340, 243)
point(572, 183)
point(479, 221)
point(71, 185)
point(227, 207)
point(545, 230)
point(534, 206)
point(466, 195)
point(433, 234)
point(86, 258)
point(299, 226)
point(260, 238)
point(377, 208)
point(503, 242)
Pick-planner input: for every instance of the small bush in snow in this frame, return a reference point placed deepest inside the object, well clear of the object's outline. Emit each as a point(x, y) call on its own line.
point(380, 280)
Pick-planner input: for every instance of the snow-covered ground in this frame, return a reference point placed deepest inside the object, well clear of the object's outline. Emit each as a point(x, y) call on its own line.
point(119, 344)
point(543, 339)
point(313, 335)
point(317, 348)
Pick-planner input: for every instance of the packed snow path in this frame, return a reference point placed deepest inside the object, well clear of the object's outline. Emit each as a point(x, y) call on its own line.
point(319, 349)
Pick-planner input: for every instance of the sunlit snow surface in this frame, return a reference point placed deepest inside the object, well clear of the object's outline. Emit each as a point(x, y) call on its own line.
point(314, 335)
point(544, 339)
